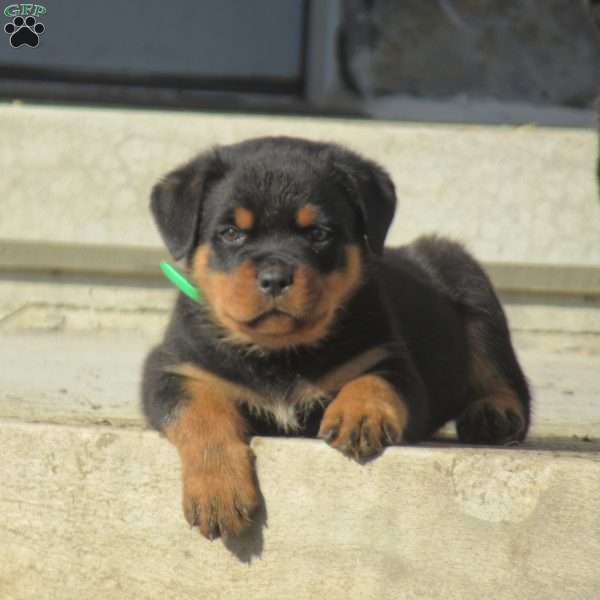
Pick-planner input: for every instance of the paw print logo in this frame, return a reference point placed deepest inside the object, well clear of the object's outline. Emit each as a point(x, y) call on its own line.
point(24, 32)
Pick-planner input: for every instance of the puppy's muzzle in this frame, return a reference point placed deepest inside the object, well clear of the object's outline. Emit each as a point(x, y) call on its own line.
point(275, 278)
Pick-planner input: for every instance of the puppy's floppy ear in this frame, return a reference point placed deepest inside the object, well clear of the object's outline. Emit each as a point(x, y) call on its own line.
point(372, 193)
point(177, 200)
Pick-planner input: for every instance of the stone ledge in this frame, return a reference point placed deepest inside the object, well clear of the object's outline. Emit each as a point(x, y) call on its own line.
point(92, 379)
point(43, 257)
point(512, 194)
point(89, 513)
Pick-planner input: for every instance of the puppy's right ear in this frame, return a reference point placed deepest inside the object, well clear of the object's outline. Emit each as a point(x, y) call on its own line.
point(177, 200)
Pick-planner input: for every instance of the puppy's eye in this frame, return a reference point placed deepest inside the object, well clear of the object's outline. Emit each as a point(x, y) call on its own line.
point(232, 235)
point(318, 235)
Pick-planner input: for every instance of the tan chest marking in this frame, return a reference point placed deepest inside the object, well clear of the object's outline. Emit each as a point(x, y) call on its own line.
point(300, 398)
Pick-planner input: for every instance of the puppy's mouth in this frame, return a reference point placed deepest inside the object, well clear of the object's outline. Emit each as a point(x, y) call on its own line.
point(271, 322)
point(268, 314)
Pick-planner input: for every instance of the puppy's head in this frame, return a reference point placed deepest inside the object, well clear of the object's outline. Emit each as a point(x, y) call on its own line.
point(274, 232)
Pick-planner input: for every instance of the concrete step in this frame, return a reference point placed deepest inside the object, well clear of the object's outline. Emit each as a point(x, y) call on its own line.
point(92, 513)
point(91, 501)
point(93, 379)
point(512, 194)
point(58, 295)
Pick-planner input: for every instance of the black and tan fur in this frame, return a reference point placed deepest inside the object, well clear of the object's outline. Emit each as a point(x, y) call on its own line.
point(310, 327)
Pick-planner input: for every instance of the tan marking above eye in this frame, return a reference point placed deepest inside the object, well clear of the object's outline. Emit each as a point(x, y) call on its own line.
point(244, 218)
point(306, 216)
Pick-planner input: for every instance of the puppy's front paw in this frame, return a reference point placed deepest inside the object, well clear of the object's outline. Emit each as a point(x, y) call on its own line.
point(366, 415)
point(219, 491)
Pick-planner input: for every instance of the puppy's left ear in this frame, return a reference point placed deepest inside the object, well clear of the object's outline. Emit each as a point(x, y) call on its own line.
point(371, 191)
point(177, 201)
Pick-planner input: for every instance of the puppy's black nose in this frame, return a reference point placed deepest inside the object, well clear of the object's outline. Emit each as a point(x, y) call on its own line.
point(275, 279)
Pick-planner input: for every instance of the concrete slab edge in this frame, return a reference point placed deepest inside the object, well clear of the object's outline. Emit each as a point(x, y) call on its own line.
point(44, 257)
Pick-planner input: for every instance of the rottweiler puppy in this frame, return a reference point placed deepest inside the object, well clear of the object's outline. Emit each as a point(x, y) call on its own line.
point(310, 327)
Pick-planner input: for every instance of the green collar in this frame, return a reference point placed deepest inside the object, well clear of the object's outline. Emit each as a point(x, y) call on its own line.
point(181, 283)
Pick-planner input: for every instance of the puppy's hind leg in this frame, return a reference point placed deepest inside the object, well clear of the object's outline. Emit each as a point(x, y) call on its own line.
point(499, 400)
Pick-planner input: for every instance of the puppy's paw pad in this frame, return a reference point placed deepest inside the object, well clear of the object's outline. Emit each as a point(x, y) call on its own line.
point(490, 422)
